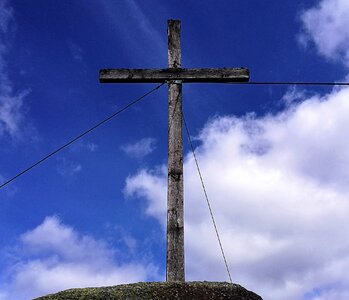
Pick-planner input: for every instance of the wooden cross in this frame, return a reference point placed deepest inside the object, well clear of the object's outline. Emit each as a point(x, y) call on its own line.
point(174, 75)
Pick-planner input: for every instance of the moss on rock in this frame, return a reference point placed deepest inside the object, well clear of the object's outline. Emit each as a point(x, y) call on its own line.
point(159, 291)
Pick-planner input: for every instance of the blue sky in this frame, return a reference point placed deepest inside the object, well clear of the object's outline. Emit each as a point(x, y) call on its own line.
point(274, 158)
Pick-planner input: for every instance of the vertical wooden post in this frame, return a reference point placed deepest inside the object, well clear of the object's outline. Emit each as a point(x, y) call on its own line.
point(175, 213)
point(174, 75)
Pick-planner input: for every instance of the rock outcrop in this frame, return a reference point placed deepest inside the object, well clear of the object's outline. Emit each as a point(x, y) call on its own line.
point(159, 291)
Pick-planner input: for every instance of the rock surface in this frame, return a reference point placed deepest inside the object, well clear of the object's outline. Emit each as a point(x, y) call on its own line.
point(159, 291)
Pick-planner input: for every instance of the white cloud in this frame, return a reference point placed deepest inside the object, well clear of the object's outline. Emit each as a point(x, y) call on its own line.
point(278, 185)
point(82, 146)
point(55, 257)
point(6, 14)
point(68, 168)
point(327, 26)
point(11, 101)
point(279, 188)
point(293, 95)
point(141, 148)
point(152, 186)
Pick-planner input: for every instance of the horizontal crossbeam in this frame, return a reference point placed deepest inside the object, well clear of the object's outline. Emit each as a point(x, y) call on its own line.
point(185, 75)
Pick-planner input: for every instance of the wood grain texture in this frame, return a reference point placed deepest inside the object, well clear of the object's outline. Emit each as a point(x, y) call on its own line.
point(162, 75)
point(175, 213)
point(174, 43)
point(174, 75)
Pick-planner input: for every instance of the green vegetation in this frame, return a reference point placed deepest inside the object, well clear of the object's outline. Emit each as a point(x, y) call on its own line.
point(159, 291)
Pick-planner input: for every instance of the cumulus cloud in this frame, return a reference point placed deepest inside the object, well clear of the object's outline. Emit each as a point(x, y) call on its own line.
point(279, 188)
point(141, 148)
point(151, 185)
point(11, 101)
point(327, 26)
point(278, 185)
point(54, 257)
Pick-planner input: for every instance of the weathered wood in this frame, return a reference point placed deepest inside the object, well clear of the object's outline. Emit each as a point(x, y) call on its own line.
point(175, 214)
point(162, 75)
point(174, 75)
point(174, 44)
